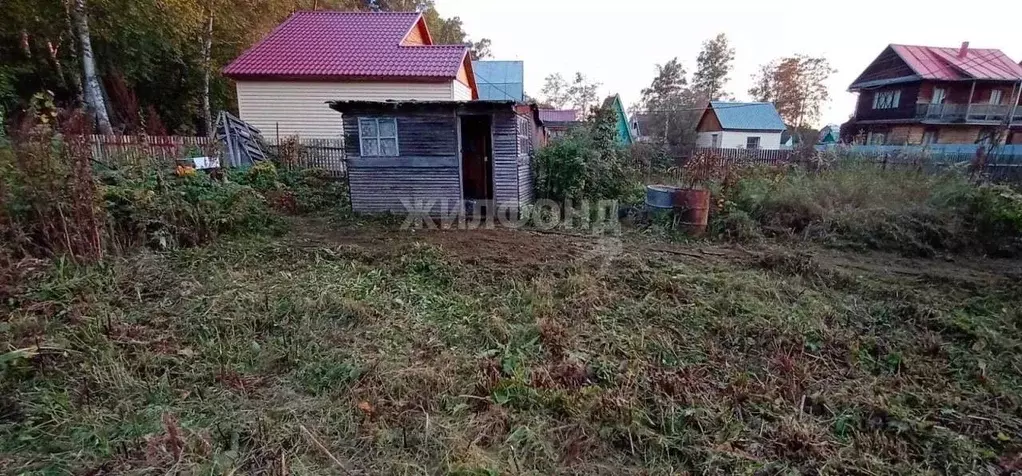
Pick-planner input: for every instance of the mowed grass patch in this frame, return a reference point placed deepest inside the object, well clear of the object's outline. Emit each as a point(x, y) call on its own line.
point(405, 355)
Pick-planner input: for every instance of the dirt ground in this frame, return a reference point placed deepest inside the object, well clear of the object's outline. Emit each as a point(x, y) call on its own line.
point(533, 252)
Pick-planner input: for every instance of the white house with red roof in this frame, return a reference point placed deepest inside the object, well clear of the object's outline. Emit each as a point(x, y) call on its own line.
point(285, 80)
point(920, 95)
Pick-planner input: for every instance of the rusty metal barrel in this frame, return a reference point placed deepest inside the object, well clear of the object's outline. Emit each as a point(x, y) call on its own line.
point(693, 210)
point(690, 207)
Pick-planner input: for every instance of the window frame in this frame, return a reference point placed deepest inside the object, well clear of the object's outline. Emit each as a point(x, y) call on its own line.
point(889, 99)
point(757, 139)
point(942, 96)
point(714, 141)
point(379, 137)
point(1000, 97)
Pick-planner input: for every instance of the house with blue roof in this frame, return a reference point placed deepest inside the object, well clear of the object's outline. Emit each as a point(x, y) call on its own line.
point(500, 80)
point(740, 125)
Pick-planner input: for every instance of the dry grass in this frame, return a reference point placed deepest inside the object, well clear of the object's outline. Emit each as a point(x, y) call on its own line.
point(372, 351)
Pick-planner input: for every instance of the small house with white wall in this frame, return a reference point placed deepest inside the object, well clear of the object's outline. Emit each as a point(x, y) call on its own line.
point(285, 81)
point(740, 125)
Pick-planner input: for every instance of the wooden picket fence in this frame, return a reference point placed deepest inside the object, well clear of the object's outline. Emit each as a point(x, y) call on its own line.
point(1001, 164)
point(735, 157)
point(146, 150)
point(164, 151)
point(322, 154)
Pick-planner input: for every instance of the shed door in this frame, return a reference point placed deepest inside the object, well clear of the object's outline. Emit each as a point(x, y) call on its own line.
point(477, 157)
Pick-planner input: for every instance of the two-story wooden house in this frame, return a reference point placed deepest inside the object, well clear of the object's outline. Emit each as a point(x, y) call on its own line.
point(919, 95)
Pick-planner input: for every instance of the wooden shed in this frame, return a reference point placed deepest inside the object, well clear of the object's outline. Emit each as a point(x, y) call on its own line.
point(452, 155)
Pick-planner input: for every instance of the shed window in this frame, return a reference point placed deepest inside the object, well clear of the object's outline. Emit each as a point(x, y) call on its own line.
point(378, 137)
point(752, 142)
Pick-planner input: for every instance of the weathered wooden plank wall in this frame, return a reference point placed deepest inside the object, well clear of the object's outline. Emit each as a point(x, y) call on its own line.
point(526, 147)
point(421, 135)
point(505, 158)
point(427, 170)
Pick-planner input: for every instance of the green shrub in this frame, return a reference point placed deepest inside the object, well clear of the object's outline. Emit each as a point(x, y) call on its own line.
point(587, 164)
point(293, 190)
point(165, 211)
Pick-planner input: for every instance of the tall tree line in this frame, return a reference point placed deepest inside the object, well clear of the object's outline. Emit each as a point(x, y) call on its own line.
point(152, 65)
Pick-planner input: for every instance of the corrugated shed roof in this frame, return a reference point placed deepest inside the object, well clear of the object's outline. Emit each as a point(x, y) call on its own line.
point(326, 44)
point(944, 64)
point(558, 115)
point(750, 116)
point(498, 80)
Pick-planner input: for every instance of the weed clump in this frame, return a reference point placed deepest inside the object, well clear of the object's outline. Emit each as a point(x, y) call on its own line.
point(865, 207)
point(55, 201)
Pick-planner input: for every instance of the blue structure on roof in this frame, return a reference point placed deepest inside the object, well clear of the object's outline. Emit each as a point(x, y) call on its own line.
point(500, 80)
point(748, 116)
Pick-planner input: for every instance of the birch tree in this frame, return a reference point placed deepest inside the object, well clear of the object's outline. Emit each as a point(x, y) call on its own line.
point(90, 78)
point(207, 67)
point(713, 67)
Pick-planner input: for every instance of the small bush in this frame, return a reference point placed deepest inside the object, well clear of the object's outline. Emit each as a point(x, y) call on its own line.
point(294, 191)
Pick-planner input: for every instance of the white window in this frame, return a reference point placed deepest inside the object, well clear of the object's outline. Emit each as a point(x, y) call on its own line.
point(939, 94)
point(996, 96)
point(378, 137)
point(886, 99)
point(752, 143)
point(930, 137)
point(715, 141)
point(876, 138)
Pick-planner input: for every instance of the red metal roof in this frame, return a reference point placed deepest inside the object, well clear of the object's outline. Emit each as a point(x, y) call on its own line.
point(558, 115)
point(945, 64)
point(331, 45)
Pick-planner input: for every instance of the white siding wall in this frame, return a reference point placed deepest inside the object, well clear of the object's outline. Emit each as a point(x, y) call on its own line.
point(299, 108)
point(738, 140)
point(461, 92)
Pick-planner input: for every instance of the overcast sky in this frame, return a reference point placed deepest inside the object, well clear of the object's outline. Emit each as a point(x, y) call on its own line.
point(619, 42)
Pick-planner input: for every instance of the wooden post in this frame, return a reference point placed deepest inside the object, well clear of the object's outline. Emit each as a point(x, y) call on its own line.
point(1014, 104)
point(968, 109)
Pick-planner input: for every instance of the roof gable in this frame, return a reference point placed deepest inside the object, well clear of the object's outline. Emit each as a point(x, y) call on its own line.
point(337, 45)
point(910, 62)
point(747, 116)
point(624, 131)
point(888, 67)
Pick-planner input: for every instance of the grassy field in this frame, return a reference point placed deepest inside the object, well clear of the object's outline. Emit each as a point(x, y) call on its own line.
point(368, 350)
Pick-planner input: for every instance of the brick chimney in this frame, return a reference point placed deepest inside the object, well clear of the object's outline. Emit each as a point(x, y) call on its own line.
point(964, 51)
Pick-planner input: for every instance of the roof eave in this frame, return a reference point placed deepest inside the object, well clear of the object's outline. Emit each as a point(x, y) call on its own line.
point(734, 129)
point(337, 78)
point(884, 82)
